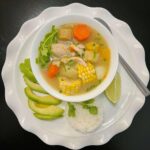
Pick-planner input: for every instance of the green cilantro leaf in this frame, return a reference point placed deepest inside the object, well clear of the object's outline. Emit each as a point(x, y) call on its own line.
point(71, 110)
point(45, 47)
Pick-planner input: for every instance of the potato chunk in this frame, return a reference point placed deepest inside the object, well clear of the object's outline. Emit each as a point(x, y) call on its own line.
point(65, 33)
point(60, 50)
point(100, 72)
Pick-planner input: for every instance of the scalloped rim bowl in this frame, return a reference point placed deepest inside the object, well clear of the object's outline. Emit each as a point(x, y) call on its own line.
point(75, 19)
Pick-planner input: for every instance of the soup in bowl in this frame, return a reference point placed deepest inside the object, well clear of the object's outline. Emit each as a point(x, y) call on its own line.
point(74, 58)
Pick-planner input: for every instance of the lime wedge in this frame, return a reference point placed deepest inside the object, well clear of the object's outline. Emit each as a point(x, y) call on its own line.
point(113, 92)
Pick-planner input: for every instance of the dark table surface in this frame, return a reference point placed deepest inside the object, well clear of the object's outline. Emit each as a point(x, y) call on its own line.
point(13, 13)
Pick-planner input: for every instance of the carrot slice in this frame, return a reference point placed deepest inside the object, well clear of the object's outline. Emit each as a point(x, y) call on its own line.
point(53, 70)
point(81, 32)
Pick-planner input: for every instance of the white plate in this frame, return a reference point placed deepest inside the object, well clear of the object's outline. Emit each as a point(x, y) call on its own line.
point(116, 118)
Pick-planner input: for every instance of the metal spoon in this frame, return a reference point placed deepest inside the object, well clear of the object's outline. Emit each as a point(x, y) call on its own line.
point(128, 69)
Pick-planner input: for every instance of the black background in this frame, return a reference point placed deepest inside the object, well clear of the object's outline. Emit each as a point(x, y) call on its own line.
point(13, 13)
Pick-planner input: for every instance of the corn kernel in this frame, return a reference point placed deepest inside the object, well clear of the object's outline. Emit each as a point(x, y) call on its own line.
point(69, 87)
point(86, 73)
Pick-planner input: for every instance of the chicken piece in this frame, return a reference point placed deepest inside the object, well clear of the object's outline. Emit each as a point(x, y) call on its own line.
point(91, 56)
point(60, 50)
point(69, 66)
point(79, 48)
point(65, 34)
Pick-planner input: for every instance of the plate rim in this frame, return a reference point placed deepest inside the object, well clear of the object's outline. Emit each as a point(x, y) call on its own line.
point(23, 33)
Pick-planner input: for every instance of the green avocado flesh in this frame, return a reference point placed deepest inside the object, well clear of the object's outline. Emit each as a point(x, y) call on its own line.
point(50, 110)
point(34, 86)
point(27, 72)
point(45, 117)
point(48, 99)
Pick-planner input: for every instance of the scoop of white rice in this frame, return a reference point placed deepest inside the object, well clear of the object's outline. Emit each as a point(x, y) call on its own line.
point(84, 121)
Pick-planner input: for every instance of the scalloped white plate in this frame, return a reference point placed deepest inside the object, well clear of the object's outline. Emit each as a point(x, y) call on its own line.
point(116, 118)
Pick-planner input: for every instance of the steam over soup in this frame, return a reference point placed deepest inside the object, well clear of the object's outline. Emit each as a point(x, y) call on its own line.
point(74, 58)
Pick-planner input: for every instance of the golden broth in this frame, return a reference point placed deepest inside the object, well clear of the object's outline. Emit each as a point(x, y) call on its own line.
point(103, 60)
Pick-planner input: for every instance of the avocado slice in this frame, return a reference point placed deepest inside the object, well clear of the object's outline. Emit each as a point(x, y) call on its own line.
point(48, 99)
point(27, 72)
point(50, 110)
point(45, 117)
point(34, 86)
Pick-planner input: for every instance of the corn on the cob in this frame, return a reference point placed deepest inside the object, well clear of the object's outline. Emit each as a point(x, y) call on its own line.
point(69, 87)
point(86, 73)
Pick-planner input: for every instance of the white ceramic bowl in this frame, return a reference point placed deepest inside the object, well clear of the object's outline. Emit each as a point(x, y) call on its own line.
point(75, 19)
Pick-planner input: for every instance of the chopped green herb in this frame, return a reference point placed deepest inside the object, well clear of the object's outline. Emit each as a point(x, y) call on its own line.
point(71, 110)
point(70, 63)
point(88, 101)
point(45, 47)
point(94, 55)
point(93, 110)
point(102, 45)
point(75, 42)
point(57, 75)
point(85, 106)
point(88, 105)
point(98, 37)
point(62, 79)
point(99, 81)
point(66, 68)
point(94, 44)
point(104, 59)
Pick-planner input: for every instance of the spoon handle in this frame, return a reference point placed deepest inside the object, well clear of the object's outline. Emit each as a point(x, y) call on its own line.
point(134, 77)
point(128, 69)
